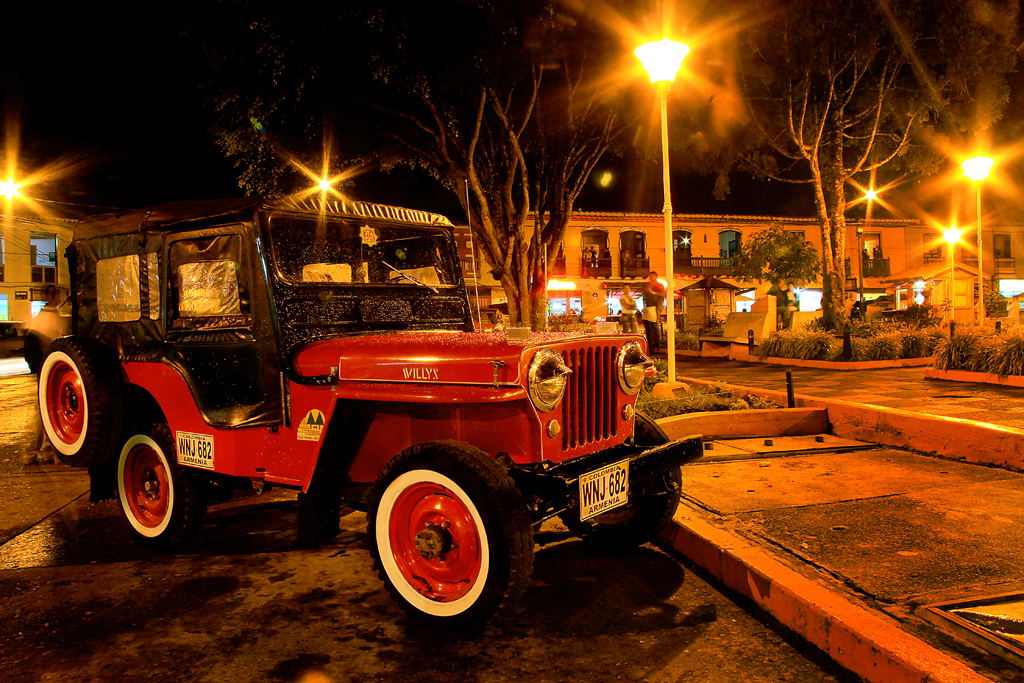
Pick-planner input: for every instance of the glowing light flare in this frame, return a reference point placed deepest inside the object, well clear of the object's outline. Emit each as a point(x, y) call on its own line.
point(324, 185)
point(870, 195)
point(9, 189)
point(662, 59)
point(606, 179)
point(977, 168)
point(952, 234)
point(560, 285)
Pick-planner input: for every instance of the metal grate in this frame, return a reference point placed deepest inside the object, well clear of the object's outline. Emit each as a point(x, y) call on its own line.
point(588, 409)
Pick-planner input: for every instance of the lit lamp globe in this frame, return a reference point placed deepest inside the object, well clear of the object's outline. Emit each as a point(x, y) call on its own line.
point(662, 59)
point(977, 168)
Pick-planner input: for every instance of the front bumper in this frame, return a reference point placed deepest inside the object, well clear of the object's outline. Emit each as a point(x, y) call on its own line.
point(555, 489)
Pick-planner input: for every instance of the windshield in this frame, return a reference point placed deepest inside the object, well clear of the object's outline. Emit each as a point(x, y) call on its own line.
point(351, 251)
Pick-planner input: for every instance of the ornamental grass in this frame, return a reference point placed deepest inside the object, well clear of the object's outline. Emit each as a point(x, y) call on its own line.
point(976, 349)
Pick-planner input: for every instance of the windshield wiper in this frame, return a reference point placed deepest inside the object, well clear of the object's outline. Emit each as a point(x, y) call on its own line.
point(410, 278)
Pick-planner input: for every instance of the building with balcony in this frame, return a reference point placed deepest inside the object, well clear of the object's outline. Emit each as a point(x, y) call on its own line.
point(603, 254)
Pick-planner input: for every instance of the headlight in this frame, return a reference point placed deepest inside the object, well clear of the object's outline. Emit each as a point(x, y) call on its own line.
point(633, 364)
point(547, 379)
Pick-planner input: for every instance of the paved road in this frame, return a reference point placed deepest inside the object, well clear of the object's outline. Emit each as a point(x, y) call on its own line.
point(83, 603)
point(904, 388)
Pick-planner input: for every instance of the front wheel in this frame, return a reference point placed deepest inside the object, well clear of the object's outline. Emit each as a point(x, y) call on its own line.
point(450, 534)
point(162, 501)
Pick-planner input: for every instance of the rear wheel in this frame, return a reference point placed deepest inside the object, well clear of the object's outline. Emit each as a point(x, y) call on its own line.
point(80, 402)
point(450, 534)
point(162, 501)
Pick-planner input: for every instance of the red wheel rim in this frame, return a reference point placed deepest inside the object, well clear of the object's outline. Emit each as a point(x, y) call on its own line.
point(145, 486)
point(65, 402)
point(430, 510)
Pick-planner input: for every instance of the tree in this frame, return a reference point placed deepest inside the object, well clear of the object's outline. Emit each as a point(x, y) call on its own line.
point(492, 99)
point(778, 256)
point(840, 88)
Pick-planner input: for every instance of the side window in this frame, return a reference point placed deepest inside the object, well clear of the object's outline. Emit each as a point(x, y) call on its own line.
point(208, 287)
point(118, 298)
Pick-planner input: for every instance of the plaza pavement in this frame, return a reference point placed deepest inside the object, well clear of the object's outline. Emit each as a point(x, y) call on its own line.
point(847, 549)
point(861, 552)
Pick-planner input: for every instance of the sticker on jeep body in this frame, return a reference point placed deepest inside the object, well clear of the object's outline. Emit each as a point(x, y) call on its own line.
point(195, 449)
point(311, 427)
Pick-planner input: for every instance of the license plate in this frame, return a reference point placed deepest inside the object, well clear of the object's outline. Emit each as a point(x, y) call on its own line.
point(195, 450)
point(604, 489)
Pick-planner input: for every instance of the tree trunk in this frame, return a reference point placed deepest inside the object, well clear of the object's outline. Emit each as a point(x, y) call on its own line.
point(830, 202)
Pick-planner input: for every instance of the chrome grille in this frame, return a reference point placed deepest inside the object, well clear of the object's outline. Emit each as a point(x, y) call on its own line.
point(588, 409)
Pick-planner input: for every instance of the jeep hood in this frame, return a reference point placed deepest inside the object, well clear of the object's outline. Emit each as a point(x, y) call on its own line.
point(430, 357)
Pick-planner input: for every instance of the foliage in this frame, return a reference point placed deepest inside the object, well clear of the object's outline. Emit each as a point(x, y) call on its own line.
point(496, 100)
point(567, 322)
point(709, 398)
point(961, 351)
point(687, 341)
point(878, 341)
point(995, 304)
point(839, 89)
point(777, 255)
point(982, 350)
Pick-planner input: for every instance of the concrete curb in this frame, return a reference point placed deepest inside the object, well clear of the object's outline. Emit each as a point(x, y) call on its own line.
point(857, 639)
point(951, 437)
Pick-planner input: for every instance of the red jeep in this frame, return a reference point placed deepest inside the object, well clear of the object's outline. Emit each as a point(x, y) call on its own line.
point(329, 347)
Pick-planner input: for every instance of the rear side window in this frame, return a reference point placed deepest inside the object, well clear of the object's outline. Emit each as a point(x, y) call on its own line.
point(120, 282)
point(208, 285)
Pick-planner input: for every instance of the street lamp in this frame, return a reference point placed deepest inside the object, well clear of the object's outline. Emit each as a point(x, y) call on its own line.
point(662, 59)
point(977, 170)
point(951, 235)
point(9, 189)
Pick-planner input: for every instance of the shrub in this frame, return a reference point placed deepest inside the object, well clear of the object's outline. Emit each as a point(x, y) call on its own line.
point(1006, 354)
point(687, 341)
point(961, 351)
point(701, 399)
point(815, 345)
point(884, 346)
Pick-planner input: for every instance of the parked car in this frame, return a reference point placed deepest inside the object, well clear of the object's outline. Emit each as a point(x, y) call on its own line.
point(331, 350)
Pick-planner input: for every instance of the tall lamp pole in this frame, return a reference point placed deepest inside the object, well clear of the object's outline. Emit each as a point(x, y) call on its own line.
point(662, 59)
point(977, 170)
point(951, 235)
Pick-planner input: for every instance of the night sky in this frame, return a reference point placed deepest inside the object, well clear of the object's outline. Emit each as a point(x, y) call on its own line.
point(106, 103)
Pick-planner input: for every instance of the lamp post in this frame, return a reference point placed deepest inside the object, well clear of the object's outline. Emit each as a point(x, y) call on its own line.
point(977, 170)
point(951, 236)
point(662, 59)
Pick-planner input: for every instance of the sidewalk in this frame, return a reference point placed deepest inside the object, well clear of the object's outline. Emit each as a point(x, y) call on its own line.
point(851, 549)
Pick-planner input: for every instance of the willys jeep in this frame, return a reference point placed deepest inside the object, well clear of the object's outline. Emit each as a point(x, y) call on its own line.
point(329, 347)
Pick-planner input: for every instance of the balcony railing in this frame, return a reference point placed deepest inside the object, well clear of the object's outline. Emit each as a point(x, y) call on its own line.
point(701, 265)
point(871, 267)
point(1006, 266)
point(597, 267)
point(638, 266)
point(933, 257)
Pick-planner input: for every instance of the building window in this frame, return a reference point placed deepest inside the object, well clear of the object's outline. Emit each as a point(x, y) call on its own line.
point(2, 265)
point(933, 248)
point(43, 249)
point(729, 243)
point(1001, 246)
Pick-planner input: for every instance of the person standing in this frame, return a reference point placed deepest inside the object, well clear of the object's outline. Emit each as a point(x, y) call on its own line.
point(628, 318)
point(654, 295)
point(40, 331)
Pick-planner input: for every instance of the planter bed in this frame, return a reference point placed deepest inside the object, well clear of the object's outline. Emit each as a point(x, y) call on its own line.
point(980, 377)
point(838, 365)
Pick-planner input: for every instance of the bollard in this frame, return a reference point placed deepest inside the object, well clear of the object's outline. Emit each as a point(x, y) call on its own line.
point(999, 326)
point(790, 396)
point(847, 344)
point(750, 342)
point(952, 328)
